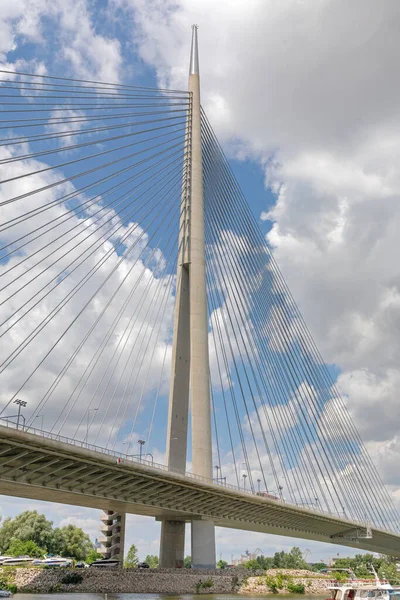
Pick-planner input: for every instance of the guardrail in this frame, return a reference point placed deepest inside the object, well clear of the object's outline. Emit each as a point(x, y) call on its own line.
point(160, 467)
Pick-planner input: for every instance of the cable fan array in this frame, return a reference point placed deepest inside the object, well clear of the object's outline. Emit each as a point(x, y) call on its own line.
point(280, 424)
point(91, 181)
point(92, 176)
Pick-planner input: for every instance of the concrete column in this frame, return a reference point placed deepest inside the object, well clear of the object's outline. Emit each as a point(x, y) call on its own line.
point(172, 541)
point(172, 544)
point(203, 535)
point(203, 545)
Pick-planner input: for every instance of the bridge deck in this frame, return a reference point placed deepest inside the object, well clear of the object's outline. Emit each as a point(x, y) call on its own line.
point(33, 466)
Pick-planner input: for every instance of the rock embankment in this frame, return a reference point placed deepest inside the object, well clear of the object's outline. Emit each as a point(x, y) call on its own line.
point(114, 581)
point(162, 581)
point(280, 580)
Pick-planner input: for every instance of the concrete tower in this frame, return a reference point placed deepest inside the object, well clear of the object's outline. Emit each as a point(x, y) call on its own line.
point(190, 359)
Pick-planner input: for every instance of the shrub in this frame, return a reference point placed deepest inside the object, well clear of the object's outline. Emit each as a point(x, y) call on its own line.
point(72, 578)
point(203, 585)
point(295, 588)
point(273, 584)
point(235, 584)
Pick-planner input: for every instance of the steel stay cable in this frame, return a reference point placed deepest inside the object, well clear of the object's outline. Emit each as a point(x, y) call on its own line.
point(119, 85)
point(264, 242)
point(73, 292)
point(165, 296)
point(87, 204)
point(75, 132)
point(113, 270)
point(131, 325)
point(294, 388)
point(34, 212)
point(46, 121)
point(233, 328)
point(101, 347)
point(288, 451)
point(102, 153)
point(227, 369)
point(215, 427)
point(159, 385)
point(225, 403)
point(242, 295)
point(80, 232)
point(86, 107)
point(321, 361)
point(180, 120)
point(61, 181)
point(91, 365)
point(288, 454)
point(86, 95)
point(70, 272)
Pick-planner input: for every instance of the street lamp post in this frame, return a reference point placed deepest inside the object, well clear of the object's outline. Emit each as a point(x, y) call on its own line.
point(88, 423)
point(141, 444)
point(244, 480)
point(21, 404)
point(217, 468)
point(128, 444)
point(258, 483)
point(41, 423)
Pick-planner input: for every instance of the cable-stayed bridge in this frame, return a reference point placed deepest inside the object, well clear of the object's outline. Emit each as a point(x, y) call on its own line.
point(137, 290)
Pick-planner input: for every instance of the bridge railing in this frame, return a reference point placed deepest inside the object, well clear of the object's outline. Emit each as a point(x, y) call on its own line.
point(151, 463)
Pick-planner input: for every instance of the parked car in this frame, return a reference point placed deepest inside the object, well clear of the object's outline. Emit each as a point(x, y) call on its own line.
point(80, 565)
point(143, 565)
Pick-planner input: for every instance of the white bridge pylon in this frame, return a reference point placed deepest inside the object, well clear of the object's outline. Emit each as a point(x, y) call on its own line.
point(190, 356)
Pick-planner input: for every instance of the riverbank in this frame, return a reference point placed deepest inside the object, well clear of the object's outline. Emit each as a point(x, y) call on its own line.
point(162, 581)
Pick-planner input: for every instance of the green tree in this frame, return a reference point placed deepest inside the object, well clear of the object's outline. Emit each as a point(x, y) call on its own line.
point(132, 558)
point(152, 561)
point(92, 556)
point(265, 562)
point(187, 563)
point(222, 564)
point(28, 526)
point(252, 565)
point(28, 548)
point(72, 542)
point(290, 560)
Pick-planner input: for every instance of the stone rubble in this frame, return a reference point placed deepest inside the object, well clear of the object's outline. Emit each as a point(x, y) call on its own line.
point(159, 581)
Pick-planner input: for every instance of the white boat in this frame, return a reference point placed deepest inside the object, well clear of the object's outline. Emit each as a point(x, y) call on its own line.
point(56, 561)
point(106, 563)
point(363, 589)
point(17, 560)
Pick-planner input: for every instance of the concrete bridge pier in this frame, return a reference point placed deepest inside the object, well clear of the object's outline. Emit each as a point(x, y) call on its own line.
point(172, 546)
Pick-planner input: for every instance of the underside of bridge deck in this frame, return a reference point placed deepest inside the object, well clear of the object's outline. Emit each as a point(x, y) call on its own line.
point(32, 466)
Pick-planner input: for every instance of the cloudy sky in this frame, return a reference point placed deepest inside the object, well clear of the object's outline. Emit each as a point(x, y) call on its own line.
point(303, 96)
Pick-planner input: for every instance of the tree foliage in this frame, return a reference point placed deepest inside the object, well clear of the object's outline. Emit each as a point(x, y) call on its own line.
point(187, 563)
point(281, 560)
point(28, 548)
point(152, 561)
point(30, 533)
point(71, 541)
point(222, 564)
point(92, 556)
point(132, 558)
point(28, 526)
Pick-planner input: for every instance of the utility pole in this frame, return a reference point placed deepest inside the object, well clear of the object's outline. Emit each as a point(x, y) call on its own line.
point(190, 356)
